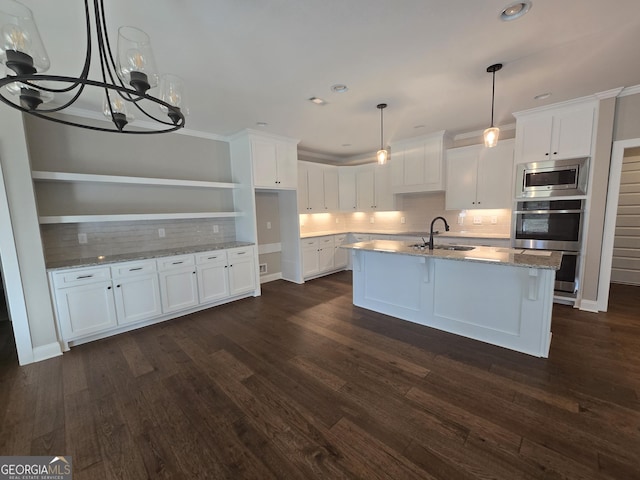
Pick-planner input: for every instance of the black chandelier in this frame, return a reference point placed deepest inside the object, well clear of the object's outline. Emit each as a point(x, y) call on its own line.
point(125, 81)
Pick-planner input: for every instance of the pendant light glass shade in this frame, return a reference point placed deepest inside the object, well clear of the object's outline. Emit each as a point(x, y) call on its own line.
point(492, 134)
point(21, 48)
point(382, 155)
point(136, 63)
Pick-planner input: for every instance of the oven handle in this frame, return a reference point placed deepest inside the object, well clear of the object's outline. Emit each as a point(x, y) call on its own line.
point(544, 212)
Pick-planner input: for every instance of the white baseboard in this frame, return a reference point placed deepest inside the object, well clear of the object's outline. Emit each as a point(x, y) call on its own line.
point(589, 306)
point(271, 277)
point(45, 352)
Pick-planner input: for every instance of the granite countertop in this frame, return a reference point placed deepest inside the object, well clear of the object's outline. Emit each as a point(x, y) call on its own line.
point(461, 234)
point(125, 257)
point(496, 255)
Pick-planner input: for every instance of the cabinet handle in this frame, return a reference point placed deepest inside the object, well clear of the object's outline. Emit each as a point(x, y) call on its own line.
point(555, 153)
point(211, 258)
point(134, 269)
point(109, 287)
point(178, 263)
point(84, 276)
point(194, 273)
point(241, 253)
point(547, 154)
point(478, 203)
point(473, 203)
point(230, 266)
point(118, 286)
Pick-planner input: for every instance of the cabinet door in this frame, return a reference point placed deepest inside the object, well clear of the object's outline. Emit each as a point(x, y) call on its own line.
point(178, 288)
point(365, 188)
point(242, 270)
point(137, 298)
point(213, 282)
point(384, 199)
point(315, 185)
point(347, 189)
point(310, 261)
point(85, 309)
point(572, 132)
point(340, 257)
point(325, 258)
point(331, 188)
point(264, 157)
point(533, 138)
point(303, 191)
point(286, 165)
point(462, 168)
point(414, 164)
point(434, 165)
point(495, 178)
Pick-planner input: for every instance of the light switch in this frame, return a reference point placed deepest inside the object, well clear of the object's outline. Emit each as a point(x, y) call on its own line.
point(494, 220)
point(82, 238)
point(403, 220)
point(372, 220)
point(477, 220)
point(216, 229)
point(268, 225)
point(161, 232)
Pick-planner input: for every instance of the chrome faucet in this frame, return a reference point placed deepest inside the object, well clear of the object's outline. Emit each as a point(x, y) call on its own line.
point(446, 227)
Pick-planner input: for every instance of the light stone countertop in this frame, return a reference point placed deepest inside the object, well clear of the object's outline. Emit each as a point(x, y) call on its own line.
point(463, 234)
point(125, 257)
point(517, 257)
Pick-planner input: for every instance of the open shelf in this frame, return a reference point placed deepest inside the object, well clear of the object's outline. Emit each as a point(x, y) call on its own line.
point(117, 179)
point(127, 217)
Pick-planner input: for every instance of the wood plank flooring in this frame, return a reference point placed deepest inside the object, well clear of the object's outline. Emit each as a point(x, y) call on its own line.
point(300, 384)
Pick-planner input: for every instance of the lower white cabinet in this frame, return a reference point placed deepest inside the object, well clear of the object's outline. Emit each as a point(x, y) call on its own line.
point(87, 307)
point(310, 258)
point(136, 291)
point(341, 255)
point(322, 255)
point(178, 283)
point(92, 301)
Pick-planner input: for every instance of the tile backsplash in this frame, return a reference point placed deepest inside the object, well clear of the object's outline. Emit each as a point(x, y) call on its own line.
point(60, 241)
point(417, 210)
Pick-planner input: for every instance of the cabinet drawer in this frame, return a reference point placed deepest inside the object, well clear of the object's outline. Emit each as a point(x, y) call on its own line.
point(133, 268)
point(309, 242)
point(82, 276)
point(340, 239)
point(325, 242)
point(212, 257)
point(175, 262)
point(238, 253)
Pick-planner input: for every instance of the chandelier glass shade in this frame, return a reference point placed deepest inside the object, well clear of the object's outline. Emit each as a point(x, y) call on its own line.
point(492, 134)
point(126, 80)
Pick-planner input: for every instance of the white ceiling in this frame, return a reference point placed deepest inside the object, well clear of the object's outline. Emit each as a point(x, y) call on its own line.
point(248, 61)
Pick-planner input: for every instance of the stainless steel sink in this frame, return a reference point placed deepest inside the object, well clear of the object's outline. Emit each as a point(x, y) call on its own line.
point(462, 248)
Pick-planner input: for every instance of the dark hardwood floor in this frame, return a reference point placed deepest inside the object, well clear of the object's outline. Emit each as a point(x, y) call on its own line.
point(300, 384)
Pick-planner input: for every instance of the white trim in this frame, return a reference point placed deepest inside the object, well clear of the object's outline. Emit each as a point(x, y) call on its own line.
point(248, 132)
point(45, 352)
point(266, 248)
point(479, 133)
point(554, 106)
point(635, 90)
point(305, 155)
point(271, 277)
point(614, 92)
point(608, 236)
point(94, 178)
point(589, 306)
point(133, 217)
point(14, 292)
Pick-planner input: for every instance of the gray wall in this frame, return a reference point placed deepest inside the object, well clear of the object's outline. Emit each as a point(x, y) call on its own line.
point(627, 121)
point(268, 210)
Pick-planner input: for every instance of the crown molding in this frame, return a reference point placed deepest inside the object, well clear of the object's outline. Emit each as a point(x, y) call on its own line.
point(614, 92)
point(479, 133)
point(634, 90)
point(258, 133)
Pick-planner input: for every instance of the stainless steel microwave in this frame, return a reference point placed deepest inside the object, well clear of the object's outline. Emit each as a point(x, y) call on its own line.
point(552, 178)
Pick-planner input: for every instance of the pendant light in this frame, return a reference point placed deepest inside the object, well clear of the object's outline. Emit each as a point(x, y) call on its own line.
point(126, 80)
point(492, 133)
point(383, 154)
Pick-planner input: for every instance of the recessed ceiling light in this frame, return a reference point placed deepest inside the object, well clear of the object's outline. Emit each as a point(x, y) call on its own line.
point(262, 124)
point(317, 101)
point(339, 88)
point(515, 10)
point(346, 144)
point(542, 96)
point(419, 126)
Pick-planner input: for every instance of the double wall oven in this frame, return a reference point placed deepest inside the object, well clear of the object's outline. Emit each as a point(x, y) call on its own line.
point(546, 218)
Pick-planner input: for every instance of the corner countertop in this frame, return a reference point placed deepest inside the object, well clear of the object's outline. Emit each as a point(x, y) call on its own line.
point(515, 257)
point(461, 234)
point(125, 257)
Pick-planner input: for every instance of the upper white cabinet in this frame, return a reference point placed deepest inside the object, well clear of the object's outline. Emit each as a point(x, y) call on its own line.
point(317, 188)
point(347, 189)
point(417, 164)
point(373, 188)
point(555, 133)
point(480, 177)
point(274, 163)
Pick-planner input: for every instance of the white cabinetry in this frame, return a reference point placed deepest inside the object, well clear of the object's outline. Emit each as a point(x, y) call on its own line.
point(341, 255)
point(555, 133)
point(480, 177)
point(137, 292)
point(84, 301)
point(178, 283)
point(347, 189)
point(321, 255)
point(417, 164)
point(373, 188)
point(310, 258)
point(213, 279)
point(317, 188)
point(242, 270)
point(274, 162)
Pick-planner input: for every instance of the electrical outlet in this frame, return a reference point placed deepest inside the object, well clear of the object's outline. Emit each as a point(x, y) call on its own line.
point(337, 220)
point(263, 268)
point(403, 220)
point(494, 220)
point(268, 225)
point(460, 220)
point(216, 229)
point(161, 233)
point(82, 238)
point(372, 220)
point(477, 220)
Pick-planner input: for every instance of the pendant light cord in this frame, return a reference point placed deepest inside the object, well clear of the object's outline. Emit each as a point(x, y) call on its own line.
point(493, 96)
point(381, 128)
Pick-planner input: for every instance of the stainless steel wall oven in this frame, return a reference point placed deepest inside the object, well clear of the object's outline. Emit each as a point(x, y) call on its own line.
point(552, 225)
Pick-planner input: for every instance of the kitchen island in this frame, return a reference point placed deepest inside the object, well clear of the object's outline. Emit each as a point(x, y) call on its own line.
point(500, 296)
